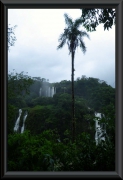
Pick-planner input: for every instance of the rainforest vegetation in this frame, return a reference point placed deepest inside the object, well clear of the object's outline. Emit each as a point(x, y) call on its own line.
point(46, 143)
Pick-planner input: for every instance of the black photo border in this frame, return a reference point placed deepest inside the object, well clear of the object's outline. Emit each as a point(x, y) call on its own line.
point(28, 4)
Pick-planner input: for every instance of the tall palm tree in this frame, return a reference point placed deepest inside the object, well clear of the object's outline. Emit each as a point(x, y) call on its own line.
point(74, 38)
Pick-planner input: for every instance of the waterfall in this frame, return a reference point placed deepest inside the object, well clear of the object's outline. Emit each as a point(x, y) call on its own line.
point(24, 118)
point(52, 91)
point(40, 92)
point(17, 121)
point(99, 130)
point(48, 91)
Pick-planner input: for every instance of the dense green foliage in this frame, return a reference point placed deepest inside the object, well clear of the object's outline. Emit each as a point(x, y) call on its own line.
point(45, 153)
point(46, 144)
point(91, 18)
point(18, 87)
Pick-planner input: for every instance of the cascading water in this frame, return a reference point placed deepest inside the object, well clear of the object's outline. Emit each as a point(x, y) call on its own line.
point(40, 91)
point(25, 116)
point(99, 135)
point(97, 128)
point(48, 91)
point(17, 121)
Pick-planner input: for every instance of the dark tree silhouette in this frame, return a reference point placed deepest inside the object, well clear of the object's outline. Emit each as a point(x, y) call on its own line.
point(91, 18)
point(74, 38)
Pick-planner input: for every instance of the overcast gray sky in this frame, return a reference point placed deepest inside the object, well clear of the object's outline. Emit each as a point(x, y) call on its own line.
point(35, 50)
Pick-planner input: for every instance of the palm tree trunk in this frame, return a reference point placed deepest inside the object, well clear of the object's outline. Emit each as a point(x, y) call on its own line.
point(73, 105)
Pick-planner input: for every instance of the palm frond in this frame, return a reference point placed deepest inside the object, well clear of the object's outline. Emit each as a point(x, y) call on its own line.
point(64, 35)
point(68, 20)
point(62, 43)
point(82, 46)
point(77, 23)
point(61, 37)
point(83, 33)
point(72, 35)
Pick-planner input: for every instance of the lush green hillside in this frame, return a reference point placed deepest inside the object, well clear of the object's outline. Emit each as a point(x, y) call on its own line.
point(51, 116)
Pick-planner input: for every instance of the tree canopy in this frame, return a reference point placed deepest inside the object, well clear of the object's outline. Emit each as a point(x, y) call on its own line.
point(72, 35)
point(46, 144)
point(91, 18)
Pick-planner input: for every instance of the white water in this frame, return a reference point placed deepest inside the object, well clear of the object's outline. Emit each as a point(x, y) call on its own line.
point(52, 91)
point(22, 128)
point(99, 130)
point(40, 91)
point(17, 121)
point(49, 91)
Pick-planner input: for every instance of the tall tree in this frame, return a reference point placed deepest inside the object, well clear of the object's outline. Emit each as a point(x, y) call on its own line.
point(74, 38)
